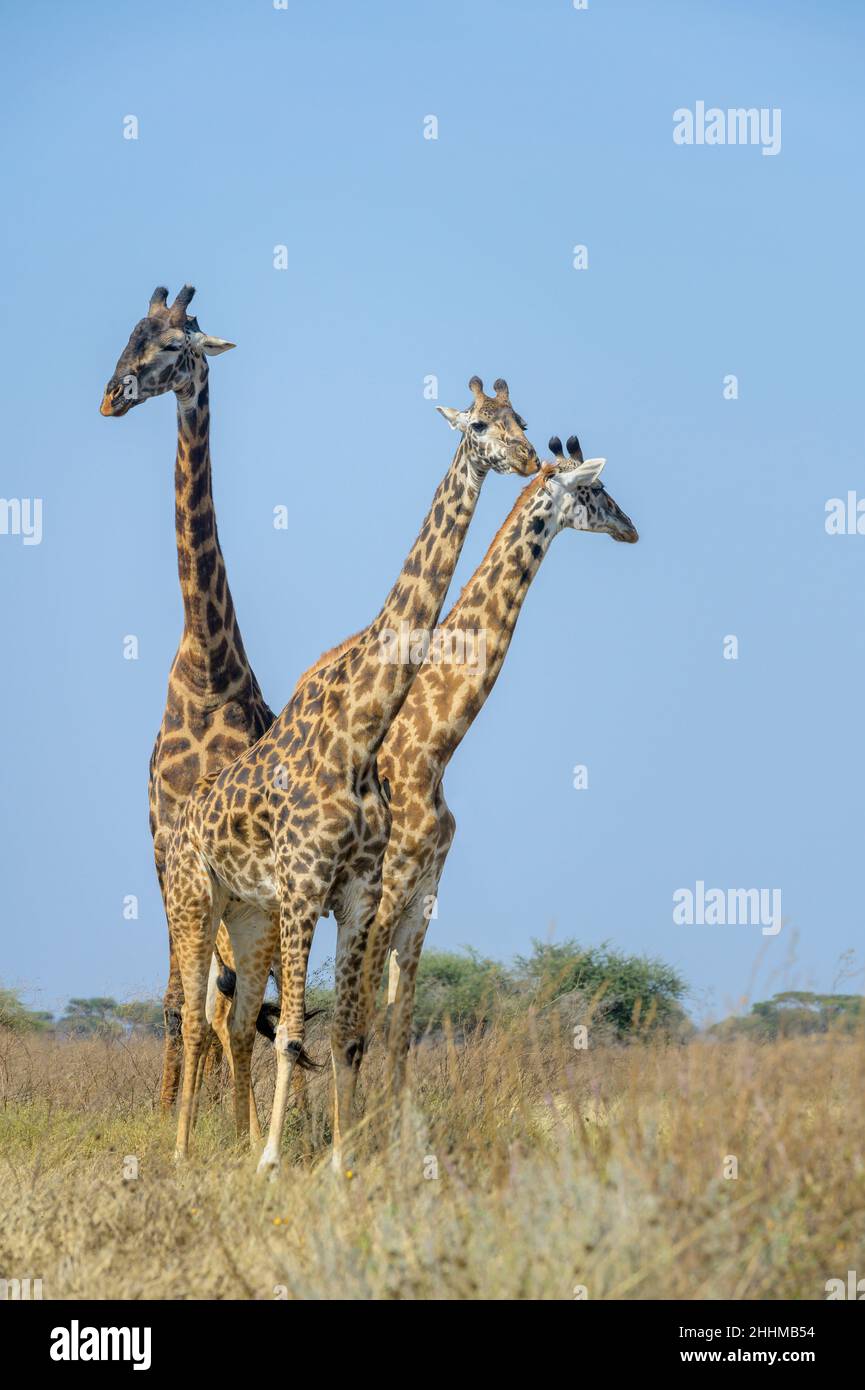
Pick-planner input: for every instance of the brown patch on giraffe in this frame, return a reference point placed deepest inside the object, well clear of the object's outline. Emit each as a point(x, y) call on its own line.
point(323, 841)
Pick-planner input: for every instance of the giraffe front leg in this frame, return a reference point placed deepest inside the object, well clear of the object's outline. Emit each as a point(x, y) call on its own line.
point(297, 921)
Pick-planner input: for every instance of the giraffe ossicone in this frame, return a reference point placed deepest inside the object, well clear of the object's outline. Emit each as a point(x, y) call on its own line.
point(162, 354)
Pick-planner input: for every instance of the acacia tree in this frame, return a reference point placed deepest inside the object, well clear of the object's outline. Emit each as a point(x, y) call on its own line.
point(794, 1013)
point(91, 1016)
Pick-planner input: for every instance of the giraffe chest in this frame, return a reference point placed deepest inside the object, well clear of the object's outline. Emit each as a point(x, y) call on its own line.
point(195, 743)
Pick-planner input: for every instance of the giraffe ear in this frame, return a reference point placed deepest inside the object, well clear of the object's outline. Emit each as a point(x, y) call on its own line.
point(457, 419)
point(212, 347)
point(587, 472)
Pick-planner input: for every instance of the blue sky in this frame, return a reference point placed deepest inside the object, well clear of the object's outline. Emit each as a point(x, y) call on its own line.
point(409, 257)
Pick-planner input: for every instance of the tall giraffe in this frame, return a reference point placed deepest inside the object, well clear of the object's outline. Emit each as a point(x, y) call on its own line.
point(214, 708)
point(441, 706)
point(298, 825)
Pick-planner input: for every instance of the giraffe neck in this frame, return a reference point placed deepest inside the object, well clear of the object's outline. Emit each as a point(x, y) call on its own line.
point(211, 650)
point(473, 642)
point(376, 684)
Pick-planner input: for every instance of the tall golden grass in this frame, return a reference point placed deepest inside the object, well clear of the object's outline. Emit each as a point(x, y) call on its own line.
point(524, 1169)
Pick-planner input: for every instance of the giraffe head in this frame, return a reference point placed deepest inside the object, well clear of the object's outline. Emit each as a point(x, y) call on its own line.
point(165, 352)
point(493, 433)
point(584, 503)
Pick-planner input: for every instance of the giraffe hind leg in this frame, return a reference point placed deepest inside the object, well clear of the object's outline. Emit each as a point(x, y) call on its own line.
point(172, 1044)
point(355, 995)
point(194, 916)
point(406, 947)
point(172, 1004)
point(252, 931)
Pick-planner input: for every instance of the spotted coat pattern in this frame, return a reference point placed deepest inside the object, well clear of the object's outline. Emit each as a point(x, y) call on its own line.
point(214, 709)
point(298, 825)
point(439, 710)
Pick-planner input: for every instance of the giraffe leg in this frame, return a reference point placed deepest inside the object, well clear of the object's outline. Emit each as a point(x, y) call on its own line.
point(222, 965)
point(172, 1002)
point(298, 1076)
point(172, 1045)
point(254, 1122)
point(298, 1088)
point(194, 919)
point(219, 1020)
point(355, 999)
point(194, 1037)
point(297, 921)
point(213, 1048)
point(406, 947)
point(218, 1008)
point(201, 1075)
point(253, 935)
point(396, 889)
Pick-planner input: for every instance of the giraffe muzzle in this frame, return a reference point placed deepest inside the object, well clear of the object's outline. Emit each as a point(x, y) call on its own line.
point(626, 531)
point(114, 402)
point(526, 464)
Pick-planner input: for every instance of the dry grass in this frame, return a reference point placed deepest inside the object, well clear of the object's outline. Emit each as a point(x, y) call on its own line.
point(556, 1168)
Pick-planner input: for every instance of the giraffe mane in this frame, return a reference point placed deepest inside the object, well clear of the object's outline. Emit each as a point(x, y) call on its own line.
point(334, 653)
point(523, 500)
point(329, 657)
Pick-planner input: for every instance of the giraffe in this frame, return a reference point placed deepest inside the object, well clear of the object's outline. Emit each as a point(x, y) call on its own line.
point(441, 706)
point(214, 708)
point(298, 825)
point(467, 653)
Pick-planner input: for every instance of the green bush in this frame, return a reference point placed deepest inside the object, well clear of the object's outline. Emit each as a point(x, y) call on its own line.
point(795, 1013)
point(634, 993)
point(468, 989)
point(18, 1018)
point(630, 993)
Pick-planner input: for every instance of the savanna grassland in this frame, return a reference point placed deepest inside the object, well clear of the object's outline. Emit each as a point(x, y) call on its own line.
point(525, 1169)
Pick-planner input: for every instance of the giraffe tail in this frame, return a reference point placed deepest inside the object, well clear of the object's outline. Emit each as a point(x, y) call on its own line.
point(268, 1014)
point(265, 1024)
point(307, 1063)
point(226, 980)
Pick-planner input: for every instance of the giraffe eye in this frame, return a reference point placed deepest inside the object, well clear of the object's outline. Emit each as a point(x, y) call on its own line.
point(479, 426)
point(171, 347)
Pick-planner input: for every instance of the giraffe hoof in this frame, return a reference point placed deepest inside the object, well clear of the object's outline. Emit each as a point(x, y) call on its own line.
point(342, 1165)
point(268, 1164)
